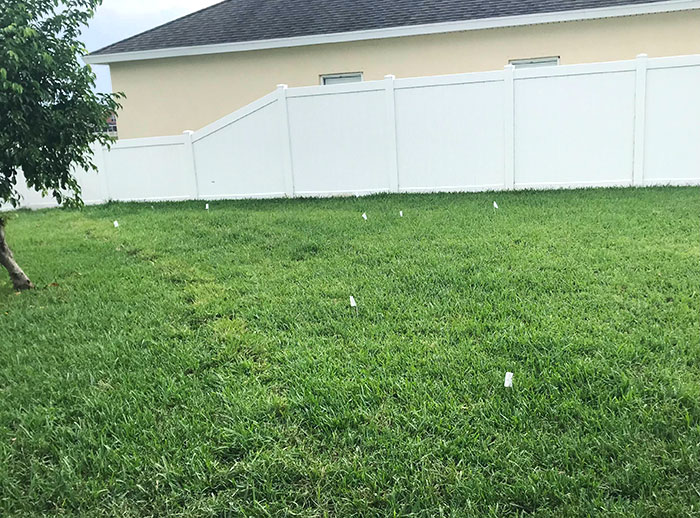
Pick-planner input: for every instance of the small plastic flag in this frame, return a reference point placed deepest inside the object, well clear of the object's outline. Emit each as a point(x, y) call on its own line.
point(116, 224)
point(401, 213)
point(353, 304)
point(364, 216)
point(509, 380)
point(206, 207)
point(495, 205)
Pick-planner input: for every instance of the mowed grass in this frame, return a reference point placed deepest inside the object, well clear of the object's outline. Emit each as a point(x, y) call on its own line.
point(208, 364)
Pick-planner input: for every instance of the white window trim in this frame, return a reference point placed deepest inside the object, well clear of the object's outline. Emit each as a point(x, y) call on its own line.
point(535, 62)
point(323, 77)
point(395, 32)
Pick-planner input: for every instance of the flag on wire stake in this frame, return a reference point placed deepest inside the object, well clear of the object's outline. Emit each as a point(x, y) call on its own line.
point(509, 380)
point(353, 304)
point(206, 207)
point(401, 213)
point(364, 216)
point(116, 224)
point(495, 205)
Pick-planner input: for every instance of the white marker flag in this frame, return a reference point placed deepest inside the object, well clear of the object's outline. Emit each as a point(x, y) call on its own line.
point(364, 216)
point(401, 213)
point(495, 205)
point(206, 207)
point(116, 224)
point(353, 304)
point(509, 380)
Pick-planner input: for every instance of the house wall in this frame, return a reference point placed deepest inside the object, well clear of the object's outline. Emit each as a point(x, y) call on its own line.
point(168, 96)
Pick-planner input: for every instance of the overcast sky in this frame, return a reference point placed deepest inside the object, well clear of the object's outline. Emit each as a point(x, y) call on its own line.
point(119, 19)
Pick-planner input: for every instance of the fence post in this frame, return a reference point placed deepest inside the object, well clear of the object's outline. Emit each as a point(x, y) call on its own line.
point(640, 110)
point(285, 135)
point(509, 129)
point(190, 160)
point(394, 181)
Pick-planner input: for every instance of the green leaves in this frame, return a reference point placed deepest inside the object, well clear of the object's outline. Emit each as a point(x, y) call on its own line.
point(49, 114)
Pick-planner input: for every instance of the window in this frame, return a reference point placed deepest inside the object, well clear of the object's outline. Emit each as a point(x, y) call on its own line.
point(112, 124)
point(337, 79)
point(535, 62)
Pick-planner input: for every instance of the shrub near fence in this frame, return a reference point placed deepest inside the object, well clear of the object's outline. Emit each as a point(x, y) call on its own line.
point(618, 123)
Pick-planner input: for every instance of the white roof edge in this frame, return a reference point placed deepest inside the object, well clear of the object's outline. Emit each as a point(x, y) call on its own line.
point(396, 32)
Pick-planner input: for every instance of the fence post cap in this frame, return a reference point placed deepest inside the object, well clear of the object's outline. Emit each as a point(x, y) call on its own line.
point(188, 132)
point(282, 86)
point(390, 76)
point(642, 56)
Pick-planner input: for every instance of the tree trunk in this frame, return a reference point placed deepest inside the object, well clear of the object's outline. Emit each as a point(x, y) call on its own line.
point(20, 281)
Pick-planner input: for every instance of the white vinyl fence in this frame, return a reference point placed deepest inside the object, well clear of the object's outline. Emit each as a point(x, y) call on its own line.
point(621, 123)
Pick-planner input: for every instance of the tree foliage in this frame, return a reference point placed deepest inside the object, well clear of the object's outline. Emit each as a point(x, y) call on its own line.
point(49, 113)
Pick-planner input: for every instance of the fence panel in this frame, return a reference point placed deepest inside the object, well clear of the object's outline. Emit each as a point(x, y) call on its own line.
point(672, 149)
point(574, 130)
point(153, 169)
point(618, 123)
point(450, 138)
point(339, 142)
point(91, 183)
point(242, 159)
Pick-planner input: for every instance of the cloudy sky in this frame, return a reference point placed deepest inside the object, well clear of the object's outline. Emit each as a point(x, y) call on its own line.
point(119, 19)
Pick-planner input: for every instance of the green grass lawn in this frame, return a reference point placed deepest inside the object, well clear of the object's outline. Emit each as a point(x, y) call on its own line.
point(198, 364)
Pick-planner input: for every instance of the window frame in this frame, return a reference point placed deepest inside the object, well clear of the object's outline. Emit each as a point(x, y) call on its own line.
point(323, 77)
point(541, 61)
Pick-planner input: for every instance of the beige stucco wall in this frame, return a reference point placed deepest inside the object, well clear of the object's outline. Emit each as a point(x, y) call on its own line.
point(168, 96)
